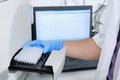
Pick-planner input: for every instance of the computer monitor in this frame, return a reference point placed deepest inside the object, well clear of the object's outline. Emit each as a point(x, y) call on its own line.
point(62, 22)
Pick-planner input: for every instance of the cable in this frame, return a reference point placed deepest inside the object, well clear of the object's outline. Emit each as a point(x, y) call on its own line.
point(100, 7)
point(84, 2)
point(65, 2)
point(97, 16)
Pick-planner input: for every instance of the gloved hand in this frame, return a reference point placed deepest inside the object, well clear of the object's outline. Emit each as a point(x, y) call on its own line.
point(47, 45)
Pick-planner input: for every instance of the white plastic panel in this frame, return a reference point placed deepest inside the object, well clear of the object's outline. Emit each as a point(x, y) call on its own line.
point(56, 60)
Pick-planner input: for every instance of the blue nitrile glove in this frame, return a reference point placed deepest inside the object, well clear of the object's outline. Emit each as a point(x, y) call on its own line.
point(47, 45)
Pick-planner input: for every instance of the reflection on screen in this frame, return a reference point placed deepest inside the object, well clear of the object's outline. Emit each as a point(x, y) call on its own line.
point(63, 24)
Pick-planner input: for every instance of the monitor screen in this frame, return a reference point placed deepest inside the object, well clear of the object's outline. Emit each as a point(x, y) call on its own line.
point(62, 23)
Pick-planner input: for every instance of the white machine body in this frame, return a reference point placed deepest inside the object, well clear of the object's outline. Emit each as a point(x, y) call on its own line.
point(15, 17)
point(15, 30)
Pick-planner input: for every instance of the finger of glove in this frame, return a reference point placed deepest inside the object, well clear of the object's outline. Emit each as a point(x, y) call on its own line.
point(46, 49)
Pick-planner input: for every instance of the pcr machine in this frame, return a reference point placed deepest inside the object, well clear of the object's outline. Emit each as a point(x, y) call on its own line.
point(16, 21)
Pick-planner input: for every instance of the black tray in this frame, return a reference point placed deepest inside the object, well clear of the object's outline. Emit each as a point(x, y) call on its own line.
point(39, 67)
